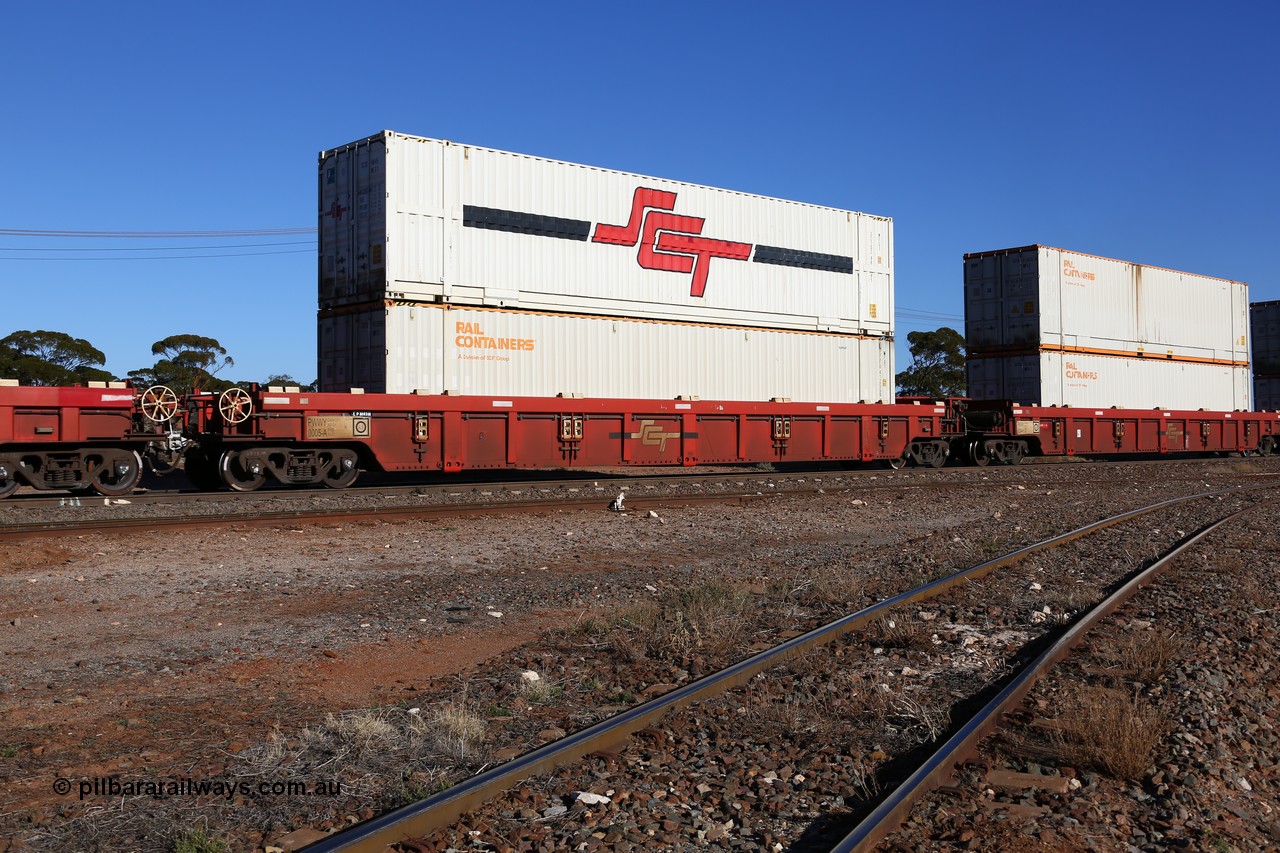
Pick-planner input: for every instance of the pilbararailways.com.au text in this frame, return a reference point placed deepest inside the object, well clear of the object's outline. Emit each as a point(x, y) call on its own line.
point(161, 788)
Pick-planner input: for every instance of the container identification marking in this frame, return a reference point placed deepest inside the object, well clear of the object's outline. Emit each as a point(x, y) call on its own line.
point(1075, 275)
point(470, 336)
point(337, 426)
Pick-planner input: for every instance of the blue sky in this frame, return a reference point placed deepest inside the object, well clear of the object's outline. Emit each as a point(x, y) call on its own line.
point(1147, 132)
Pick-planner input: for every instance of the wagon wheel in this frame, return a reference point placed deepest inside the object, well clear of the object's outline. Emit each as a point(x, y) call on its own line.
point(937, 455)
point(237, 475)
point(1016, 452)
point(980, 453)
point(897, 463)
point(117, 476)
point(235, 405)
point(159, 403)
point(8, 484)
point(343, 472)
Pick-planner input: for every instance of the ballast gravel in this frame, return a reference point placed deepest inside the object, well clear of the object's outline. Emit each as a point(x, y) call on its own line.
point(187, 655)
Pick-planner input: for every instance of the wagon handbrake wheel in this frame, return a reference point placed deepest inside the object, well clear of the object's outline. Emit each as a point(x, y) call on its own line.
point(235, 405)
point(159, 403)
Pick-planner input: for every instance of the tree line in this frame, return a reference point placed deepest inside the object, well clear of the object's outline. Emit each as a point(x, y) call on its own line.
point(183, 362)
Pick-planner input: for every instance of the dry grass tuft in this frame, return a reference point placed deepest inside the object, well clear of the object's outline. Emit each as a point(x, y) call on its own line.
point(1147, 655)
point(540, 692)
point(1110, 730)
point(1070, 600)
point(713, 619)
point(901, 631)
point(459, 731)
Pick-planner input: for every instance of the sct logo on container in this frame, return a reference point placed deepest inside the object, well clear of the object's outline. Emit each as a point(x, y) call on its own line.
point(667, 241)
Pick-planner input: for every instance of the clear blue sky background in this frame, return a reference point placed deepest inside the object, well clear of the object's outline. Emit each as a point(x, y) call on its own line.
point(1142, 131)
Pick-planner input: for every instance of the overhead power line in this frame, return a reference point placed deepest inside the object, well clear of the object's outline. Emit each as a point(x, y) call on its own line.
point(168, 235)
point(167, 257)
point(154, 248)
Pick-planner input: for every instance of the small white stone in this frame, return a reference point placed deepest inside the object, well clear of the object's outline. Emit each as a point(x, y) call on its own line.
point(1075, 784)
point(496, 614)
point(1034, 586)
point(653, 513)
point(590, 799)
point(415, 711)
point(906, 670)
point(1244, 784)
point(530, 677)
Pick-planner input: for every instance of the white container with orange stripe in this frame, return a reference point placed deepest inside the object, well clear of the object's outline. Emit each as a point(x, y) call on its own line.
point(1051, 327)
point(401, 348)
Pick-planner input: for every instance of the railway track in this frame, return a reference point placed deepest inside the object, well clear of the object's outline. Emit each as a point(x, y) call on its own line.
point(611, 736)
point(74, 515)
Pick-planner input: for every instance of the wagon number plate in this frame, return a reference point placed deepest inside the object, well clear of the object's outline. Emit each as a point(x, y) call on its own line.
point(337, 426)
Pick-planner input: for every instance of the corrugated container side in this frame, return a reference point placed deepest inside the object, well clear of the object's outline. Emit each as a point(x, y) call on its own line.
point(1038, 300)
point(476, 226)
point(1266, 393)
point(1074, 300)
point(519, 353)
point(1088, 381)
point(353, 350)
point(1264, 319)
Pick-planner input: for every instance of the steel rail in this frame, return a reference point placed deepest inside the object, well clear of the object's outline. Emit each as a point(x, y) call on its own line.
point(580, 479)
point(260, 519)
point(443, 809)
point(937, 769)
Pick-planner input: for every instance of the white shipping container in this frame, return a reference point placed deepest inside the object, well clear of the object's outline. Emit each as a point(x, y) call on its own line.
point(424, 220)
point(1041, 298)
point(518, 353)
point(1264, 330)
point(1082, 380)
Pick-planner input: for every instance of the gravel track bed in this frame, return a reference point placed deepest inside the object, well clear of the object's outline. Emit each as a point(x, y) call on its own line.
point(258, 653)
point(1160, 733)
point(788, 761)
point(605, 486)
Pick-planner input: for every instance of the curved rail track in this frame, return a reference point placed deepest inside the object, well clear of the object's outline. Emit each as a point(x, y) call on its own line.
point(441, 810)
point(936, 770)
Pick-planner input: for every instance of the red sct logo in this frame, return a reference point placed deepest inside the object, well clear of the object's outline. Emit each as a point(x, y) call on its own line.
point(669, 241)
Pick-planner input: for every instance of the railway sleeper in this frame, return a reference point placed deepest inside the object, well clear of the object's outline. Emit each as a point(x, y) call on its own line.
point(244, 470)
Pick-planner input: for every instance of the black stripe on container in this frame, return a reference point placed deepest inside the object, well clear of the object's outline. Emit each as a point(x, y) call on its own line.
point(807, 260)
point(524, 223)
